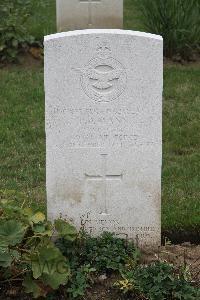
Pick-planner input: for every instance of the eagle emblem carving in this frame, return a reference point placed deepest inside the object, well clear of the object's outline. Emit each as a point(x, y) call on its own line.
point(103, 79)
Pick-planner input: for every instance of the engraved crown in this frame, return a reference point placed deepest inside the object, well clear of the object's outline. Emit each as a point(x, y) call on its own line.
point(103, 50)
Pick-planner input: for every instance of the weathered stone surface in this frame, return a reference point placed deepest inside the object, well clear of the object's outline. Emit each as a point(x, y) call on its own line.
point(83, 14)
point(104, 131)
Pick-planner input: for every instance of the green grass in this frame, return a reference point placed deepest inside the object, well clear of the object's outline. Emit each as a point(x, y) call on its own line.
point(22, 154)
point(181, 156)
point(22, 132)
point(132, 16)
point(42, 20)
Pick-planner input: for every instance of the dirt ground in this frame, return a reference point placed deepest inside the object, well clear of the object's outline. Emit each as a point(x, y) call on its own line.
point(180, 255)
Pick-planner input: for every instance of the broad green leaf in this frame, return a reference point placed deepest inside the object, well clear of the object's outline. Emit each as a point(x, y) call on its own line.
point(10, 207)
point(43, 229)
point(11, 233)
point(32, 287)
point(39, 228)
point(37, 267)
point(3, 246)
point(46, 260)
point(56, 279)
point(65, 230)
point(38, 218)
point(5, 259)
point(50, 253)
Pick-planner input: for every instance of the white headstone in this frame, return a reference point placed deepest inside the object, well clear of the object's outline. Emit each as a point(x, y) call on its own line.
point(82, 14)
point(104, 131)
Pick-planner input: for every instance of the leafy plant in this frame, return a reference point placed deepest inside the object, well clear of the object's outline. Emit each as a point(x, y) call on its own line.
point(92, 255)
point(109, 252)
point(106, 252)
point(177, 21)
point(65, 230)
point(13, 35)
point(80, 281)
point(158, 281)
point(27, 252)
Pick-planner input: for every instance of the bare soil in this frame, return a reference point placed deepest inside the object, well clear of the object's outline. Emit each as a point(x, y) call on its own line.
point(32, 59)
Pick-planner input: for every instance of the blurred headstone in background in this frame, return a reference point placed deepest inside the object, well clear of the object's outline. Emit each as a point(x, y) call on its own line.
point(83, 14)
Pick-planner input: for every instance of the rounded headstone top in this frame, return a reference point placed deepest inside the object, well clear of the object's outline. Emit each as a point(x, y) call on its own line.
point(102, 31)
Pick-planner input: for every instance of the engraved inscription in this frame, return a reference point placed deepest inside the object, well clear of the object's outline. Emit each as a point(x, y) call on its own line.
point(101, 127)
point(139, 233)
point(104, 177)
point(103, 79)
point(104, 139)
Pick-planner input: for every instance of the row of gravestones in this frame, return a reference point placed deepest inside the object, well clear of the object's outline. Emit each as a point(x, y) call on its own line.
point(103, 90)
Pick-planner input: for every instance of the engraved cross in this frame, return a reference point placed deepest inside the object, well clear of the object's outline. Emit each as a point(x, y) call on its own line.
point(104, 177)
point(90, 2)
